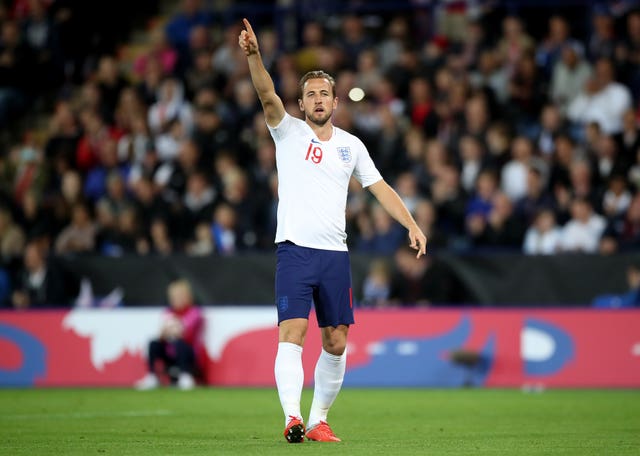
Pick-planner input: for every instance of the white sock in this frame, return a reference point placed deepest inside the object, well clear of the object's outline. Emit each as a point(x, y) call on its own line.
point(328, 381)
point(289, 378)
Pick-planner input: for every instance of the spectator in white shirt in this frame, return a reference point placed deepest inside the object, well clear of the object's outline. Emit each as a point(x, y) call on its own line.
point(569, 76)
point(582, 232)
point(543, 236)
point(603, 100)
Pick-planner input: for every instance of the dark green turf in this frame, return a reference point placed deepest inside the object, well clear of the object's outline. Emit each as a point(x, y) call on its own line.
point(370, 422)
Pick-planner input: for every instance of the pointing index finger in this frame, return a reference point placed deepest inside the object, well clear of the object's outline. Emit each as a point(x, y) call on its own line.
point(248, 26)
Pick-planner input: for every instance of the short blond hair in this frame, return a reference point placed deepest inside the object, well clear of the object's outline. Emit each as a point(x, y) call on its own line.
point(317, 74)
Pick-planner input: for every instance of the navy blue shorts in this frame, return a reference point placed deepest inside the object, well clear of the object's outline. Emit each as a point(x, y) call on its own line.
point(322, 277)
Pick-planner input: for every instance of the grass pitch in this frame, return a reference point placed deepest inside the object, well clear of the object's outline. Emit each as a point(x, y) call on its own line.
point(211, 421)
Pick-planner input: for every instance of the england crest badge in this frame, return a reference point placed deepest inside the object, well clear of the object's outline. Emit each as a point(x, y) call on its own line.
point(345, 154)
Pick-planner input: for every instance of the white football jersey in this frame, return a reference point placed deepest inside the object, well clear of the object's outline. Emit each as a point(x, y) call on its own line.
point(313, 180)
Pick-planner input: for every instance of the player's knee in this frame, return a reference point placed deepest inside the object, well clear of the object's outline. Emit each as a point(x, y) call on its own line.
point(335, 346)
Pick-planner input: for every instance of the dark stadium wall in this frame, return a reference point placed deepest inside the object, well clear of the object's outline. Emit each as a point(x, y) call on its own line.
point(477, 280)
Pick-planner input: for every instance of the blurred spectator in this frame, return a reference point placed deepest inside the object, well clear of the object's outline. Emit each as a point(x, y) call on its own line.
point(116, 199)
point(159, 49)
point(41, 34)
point(39, 282)
point(180, 345)
point(16, 72)
point(224, 227)
point(473, 161)
point(212, 130)
point(406, 185)
point(191, 14)
point(33, 218)
point(12, 237)
point(225, 58)
point(543, 236)
point(564, 154)
point(128, 109)
point(629, 299)
point(202, 244)
point(368, 70)
point(628, 53)
point(26, 168)
point(423, 282)
point(149, 86)
point(570, 74)
point(172, 175)
point(480, 204)
point(490, 75)
point(498, 138)
point(201, 74)
point(602, 39)
point(617, 197)
point(426, 217)
point(160, 242)
point(450, 201)
point(313, 48)
point(199, 198)
point(608, 160)
point(582, 233)
point(134, 145)
point(149, 203)
point(551, 125)
point(96, 137)
point(473, 42)
point(123, 237)
point(514, 173)
point(526, 92)
point(623, 233)
point(80, 235)
point(514, 43)
point(377, 284)
point(95, 185)
point(557, 38)
point(379, 233)
point(535, 198)
point(396, 39)
point(602, 100)
point(245, 205)
point(110, 84)
point(171, 107)
point(629, 138)
point(634, 171)
point(352, 40)
point(500, 228)
point(63, 135)
point(580, 174)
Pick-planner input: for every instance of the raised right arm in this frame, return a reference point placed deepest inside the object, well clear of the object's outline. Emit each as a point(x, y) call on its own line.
point(271, 102)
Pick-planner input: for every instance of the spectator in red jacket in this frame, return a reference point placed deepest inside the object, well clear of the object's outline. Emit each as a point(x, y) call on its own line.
point(180, 344)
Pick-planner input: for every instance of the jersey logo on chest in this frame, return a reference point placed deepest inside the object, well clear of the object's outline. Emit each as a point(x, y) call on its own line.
point(344, 153)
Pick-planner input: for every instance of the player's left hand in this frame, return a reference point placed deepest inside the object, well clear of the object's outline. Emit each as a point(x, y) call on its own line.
point(418, 241)
point(247, 40)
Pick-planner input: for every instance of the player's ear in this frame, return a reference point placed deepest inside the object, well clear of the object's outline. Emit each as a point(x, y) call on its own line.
point(335, 102)
point(300, 104)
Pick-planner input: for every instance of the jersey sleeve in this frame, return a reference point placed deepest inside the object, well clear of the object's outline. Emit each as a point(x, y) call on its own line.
point(365, 170)
point(281, 130)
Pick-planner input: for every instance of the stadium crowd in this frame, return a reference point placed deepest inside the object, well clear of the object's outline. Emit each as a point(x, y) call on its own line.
point(493, 137)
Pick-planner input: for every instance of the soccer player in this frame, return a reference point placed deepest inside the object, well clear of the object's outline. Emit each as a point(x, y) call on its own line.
point(315, 161)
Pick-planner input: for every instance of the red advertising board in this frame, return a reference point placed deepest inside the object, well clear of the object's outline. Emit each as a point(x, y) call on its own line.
point(505, 348)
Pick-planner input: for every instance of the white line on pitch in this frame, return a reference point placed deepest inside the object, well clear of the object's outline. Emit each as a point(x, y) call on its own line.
point(80, 415)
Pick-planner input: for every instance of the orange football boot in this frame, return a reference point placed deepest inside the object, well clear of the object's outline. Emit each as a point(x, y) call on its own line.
point(321, 432)
point(294, 432)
